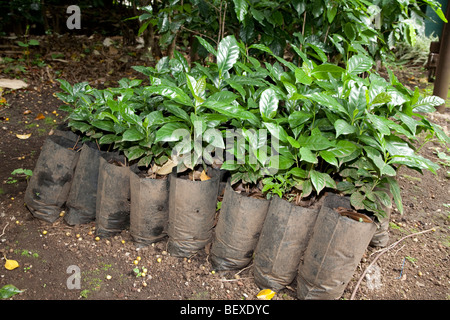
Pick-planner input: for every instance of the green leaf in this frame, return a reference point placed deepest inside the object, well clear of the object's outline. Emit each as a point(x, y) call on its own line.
point(277, 131)
point(230, 165)
point(380, 99)
point(307, 155)
point(236, 86)
point(132, 134)
point(176, 110)
point(379, 124)
point(440, 14)
point(81, 126)
point(227, 54)
point(171, 92)
point(316, 141)
point(143, 27)
point(343, 149)
point(343, 127)
point(356, 199)
point(384, 197)
point(358, 64)
point(33, 42)
point(396, 193)
point(241, 9)
point(221, 98)
point(329, 157)
point(299, 173)
point(65, 86)
point(293, 142)
point(327, 101)
point(134, 152)
point(109, 138)
point(172, 132)
point(415, 162)
point(318, 180)
point(207, 46)
point(302, 77)
point(427, 104)
point(320, 54)
point(345, 186)
point(104, 125)
point(349, 31)
point(214, 138)
point(197, 88)
point(322, 70)
point(268, 103)
point(298, 118)
point(331, 12)
point(384, 168)
point(7, 291)
point(280, 162)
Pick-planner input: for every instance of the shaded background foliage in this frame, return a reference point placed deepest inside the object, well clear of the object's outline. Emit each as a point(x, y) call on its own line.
point(340, 28)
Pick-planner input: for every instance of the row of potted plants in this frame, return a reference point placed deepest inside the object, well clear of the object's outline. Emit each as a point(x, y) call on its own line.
point(270, 135)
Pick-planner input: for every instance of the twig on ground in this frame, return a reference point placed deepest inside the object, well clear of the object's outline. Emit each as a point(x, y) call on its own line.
point(3, 232)
point(381, 253)
point(244, 269)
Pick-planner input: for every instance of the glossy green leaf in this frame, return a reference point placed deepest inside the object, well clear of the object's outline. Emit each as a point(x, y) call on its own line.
point(322, 71)
point(356, 199)
point(241, 9)
point(343, 127)
point(307, 155)
point(302, 77)
point(329, 157)
point(171, 92)
point(227, 54)
point(268, 103)
point(293, 142)
point(9, 290)
point(276, 131)
point(396, 193)
point(318, 180)
point(207, 45)
point(298, 118)
point(172, 131)
point(134, 153)
point(132, 134)
point(358, 64)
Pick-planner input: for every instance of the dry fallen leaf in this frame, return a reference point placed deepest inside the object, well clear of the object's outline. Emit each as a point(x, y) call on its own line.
point(265, 294)
point(166, 168)
point(11, 264)
point(40, 116)
point(23, 136)
point(27, 112)
point(204, 176)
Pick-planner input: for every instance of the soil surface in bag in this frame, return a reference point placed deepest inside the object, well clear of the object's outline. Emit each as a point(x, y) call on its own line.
point(334, 251)
point(283, 240)
point(113, 198)
point(237, 231)
point(149, 208)
point(192, 209)
point(81, 202)
point(50, 183)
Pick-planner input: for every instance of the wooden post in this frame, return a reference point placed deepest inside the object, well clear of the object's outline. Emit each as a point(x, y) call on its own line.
point(443, 69)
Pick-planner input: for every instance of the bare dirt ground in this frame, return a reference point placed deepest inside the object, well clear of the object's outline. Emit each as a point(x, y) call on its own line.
point(417, 268)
